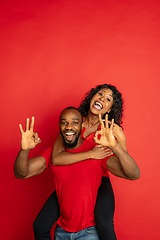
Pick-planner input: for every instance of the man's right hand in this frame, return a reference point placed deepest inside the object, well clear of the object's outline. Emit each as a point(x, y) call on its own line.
point(100, 152)
point(29, 138)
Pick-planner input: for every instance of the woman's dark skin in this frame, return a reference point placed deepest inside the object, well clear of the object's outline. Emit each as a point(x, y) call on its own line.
point(91, 123)
point(101, 103)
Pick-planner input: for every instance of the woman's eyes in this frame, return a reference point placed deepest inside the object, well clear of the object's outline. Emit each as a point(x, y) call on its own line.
point(108, 99)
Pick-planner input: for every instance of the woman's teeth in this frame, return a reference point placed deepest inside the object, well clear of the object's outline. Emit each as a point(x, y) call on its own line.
point(98, 105)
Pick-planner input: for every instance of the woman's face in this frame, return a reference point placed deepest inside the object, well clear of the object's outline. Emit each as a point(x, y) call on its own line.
point(102, 102)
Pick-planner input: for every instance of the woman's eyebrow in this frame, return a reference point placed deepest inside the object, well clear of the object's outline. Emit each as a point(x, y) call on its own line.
point(108, 94)
point(105, 91)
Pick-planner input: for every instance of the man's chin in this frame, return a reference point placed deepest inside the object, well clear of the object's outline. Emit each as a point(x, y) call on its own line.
point(70, 145)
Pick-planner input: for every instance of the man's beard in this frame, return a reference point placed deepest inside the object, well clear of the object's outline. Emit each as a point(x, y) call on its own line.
point(69, 145)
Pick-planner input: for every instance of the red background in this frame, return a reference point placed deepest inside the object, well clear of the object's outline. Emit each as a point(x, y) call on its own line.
point(52, 52)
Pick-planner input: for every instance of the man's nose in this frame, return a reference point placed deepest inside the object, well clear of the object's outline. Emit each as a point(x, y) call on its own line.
point(69, 125)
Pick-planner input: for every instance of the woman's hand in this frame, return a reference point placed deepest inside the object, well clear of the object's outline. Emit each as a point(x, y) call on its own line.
point(107, 138)
point(119, 135)
point(100, 152)
point(29, 138)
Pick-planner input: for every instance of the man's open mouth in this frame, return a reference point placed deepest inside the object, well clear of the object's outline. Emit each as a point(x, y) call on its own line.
point(69, 135)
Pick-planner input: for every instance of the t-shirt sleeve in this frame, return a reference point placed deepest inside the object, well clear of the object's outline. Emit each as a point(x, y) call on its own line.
point(47, 153)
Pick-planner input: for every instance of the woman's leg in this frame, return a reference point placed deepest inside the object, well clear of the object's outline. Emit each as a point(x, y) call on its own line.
point(104, 211)
point(48, 215)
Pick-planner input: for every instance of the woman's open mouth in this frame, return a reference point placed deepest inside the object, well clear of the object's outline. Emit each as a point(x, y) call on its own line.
point(98, 105)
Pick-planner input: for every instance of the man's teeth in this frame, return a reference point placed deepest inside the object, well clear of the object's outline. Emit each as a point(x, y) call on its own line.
point(69, 134)
point(98, 105)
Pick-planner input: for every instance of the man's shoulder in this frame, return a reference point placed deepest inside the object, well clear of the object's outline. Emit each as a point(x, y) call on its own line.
point(47, 152)
point(87, 145)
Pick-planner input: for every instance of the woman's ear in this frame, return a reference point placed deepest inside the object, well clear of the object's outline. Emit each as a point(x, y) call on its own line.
point(109, 111)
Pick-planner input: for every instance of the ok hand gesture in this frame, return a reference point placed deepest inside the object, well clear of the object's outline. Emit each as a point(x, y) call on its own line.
point(29, 138)
point(107, 138)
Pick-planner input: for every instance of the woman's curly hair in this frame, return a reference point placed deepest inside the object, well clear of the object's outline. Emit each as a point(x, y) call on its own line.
point(116, 112)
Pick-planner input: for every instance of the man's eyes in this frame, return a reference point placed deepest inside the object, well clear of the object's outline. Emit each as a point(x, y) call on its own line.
point(63, 123)
point(74, 123)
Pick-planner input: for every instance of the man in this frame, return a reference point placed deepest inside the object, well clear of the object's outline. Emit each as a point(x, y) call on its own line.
point(25, 168)
point(76, 184)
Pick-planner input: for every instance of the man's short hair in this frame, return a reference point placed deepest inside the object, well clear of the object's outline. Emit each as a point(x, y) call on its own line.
point(71, 107)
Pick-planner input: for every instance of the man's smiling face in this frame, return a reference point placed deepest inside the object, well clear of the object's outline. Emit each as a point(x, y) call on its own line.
point(70, 124)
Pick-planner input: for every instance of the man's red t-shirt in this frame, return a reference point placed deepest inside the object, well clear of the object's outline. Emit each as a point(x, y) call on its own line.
point(91, 139)
point(76, 186)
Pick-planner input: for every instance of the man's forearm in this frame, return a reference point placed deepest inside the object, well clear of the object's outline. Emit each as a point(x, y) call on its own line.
point(123, 144)
point(128, 164)
point(21, 164)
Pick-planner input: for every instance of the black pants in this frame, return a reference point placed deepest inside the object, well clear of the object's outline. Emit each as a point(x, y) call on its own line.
point(104, 211)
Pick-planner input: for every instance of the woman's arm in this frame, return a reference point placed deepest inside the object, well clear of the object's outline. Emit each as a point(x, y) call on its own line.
point(122, 164)
point(60, 157)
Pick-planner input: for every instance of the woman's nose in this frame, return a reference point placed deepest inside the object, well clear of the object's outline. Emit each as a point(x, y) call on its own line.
point(102, 98)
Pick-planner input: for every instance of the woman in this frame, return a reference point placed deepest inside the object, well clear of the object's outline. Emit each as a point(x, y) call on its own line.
point(104, 99)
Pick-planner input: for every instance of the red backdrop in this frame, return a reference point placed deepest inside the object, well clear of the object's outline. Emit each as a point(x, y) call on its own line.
point(52, 52)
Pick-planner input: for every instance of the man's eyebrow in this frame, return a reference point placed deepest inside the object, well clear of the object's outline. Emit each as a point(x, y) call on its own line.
point(62, 119)
point(75, 119)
